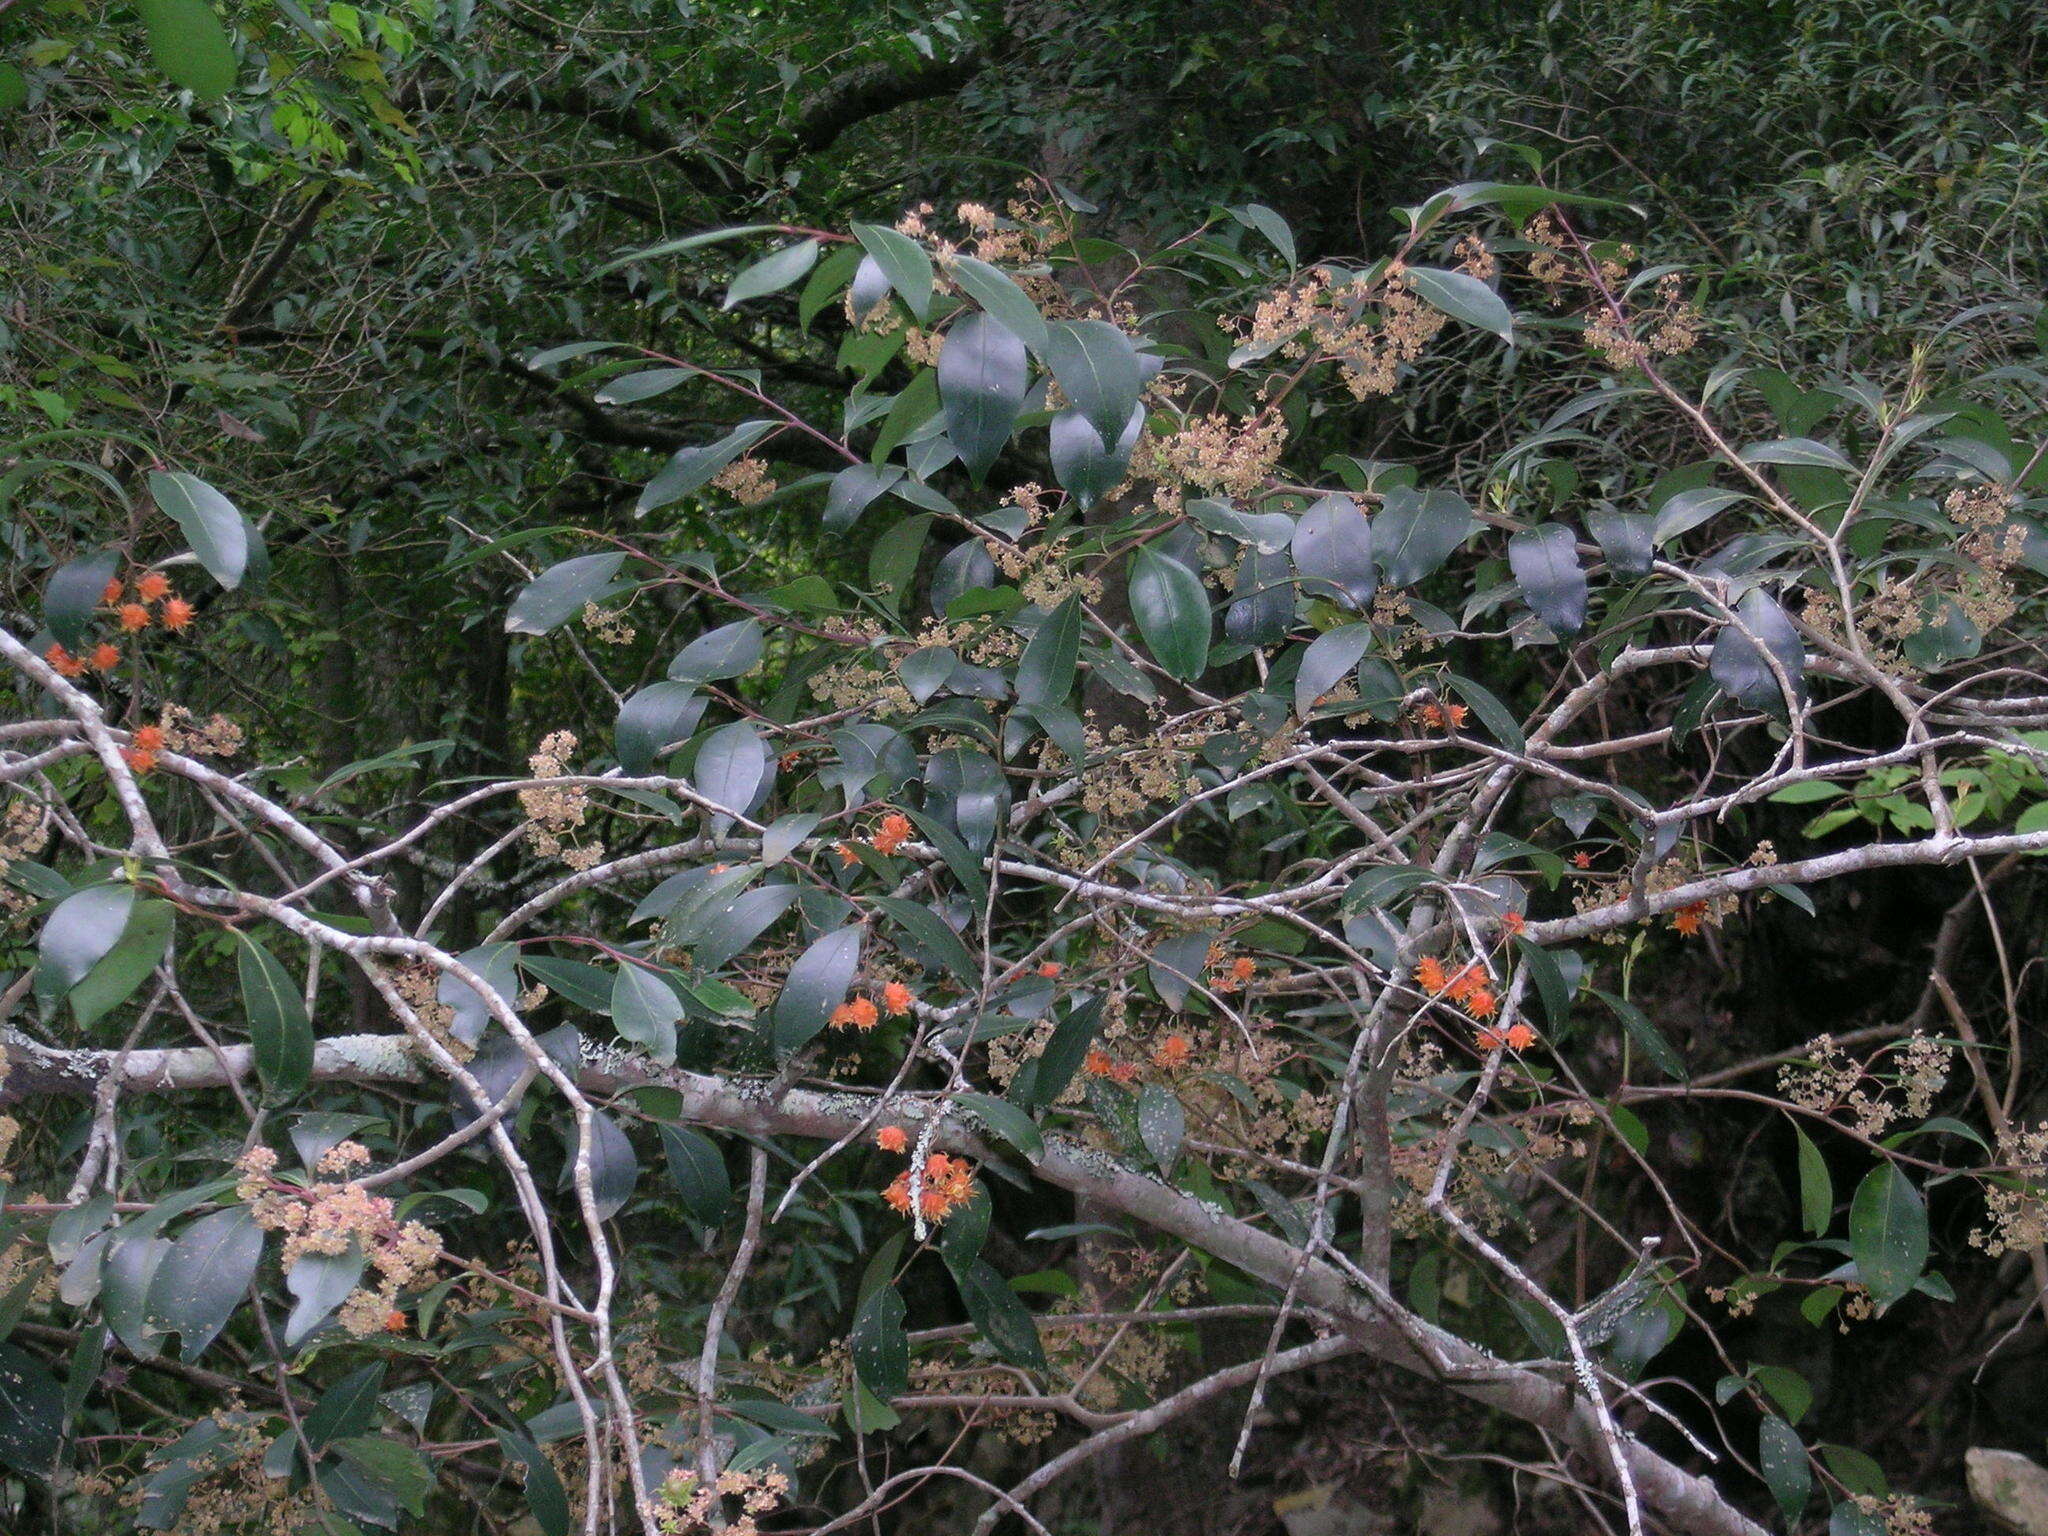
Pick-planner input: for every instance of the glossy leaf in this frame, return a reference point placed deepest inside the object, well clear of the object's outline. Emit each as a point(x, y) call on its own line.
point(280, 1030)
point(204, 1277)
point(691, 469)
point(1888, 1234)
point(1333, 551)
point(1546, 565)
point(1045, 675)
point(698, 1169)
point(1082, 466)
point(733, 768)
point(1327, 662)
point(816, 984)
point(1416, 532)
point(997, 293)
point(658, 716)
point(1463, 297)
point(903, 262)
point(218, 533)
point(772, 273)
point(644, 1010)
point(1171, 609)
point(1099, 371)
point(1738, 664)
point(983, 376)
point(559, 593)
point(878, 1344)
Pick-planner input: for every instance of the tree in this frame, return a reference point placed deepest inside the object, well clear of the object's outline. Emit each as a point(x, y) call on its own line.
point(1321, 987)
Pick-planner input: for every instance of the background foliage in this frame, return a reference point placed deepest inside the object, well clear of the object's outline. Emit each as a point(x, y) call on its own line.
point(310, 260)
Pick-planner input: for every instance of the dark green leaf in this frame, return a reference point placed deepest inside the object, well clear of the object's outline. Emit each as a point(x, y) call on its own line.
point(1084, 468)
point(217, 532)
point(1171, 608)
point(79, 933)
point(815, 986)
point(1888, 1234)
point(558, 593)
point(983, 376)
point(1333, 549)
point(347, 1408)
point(1003, 1320)
point(691, 469)
point(614, 1169)
point(1327, 662)
point(734, 768)
point(204, 1278)
point(854, 489)
point(1816, 1187)
point(1545, 561)
point(1463, 297)
point(73, 592)
point(659, 715)
point(1740, 667)
point(996, 292)
point(31, 1414)
point(127, 965)
point(1782, 1459)
point(645, 1010)
point(880, 1348)
point(1162, 1125)
point(1046, 673)
point(280, 1031)
point(1098, 368)
point(772, 273)
point(1624, 538)
point(731, 650)
point(904, 262)
point(698, 1169)
point(1416, 532)
point(319, 1282)
point(1005, 1120)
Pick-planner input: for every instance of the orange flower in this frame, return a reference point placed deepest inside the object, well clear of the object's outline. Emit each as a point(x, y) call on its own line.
point(948, 1184)
point(1097, 1063)
point(1441, 716)
point(149, 738)
point(177, 614)
point(1172, 1052)
point(1048, 969)
point(892, 1138)
point(133, 616)
point(394, 1321)
point(1123, 1071)
point(1518, 1037)
point(154, 587)
point(896, 999)
point(790, 759)
point(1468, 982)
point(856, 1013)
point(142, 762)
point(106, 657)
point(893, 833)
point(1687, 919)
point(847, 857)
point(1513, 922)
point(110, 594)
point(1429, 974)
point(1583, 859)
point(67, 665)
point(1480, 1003)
